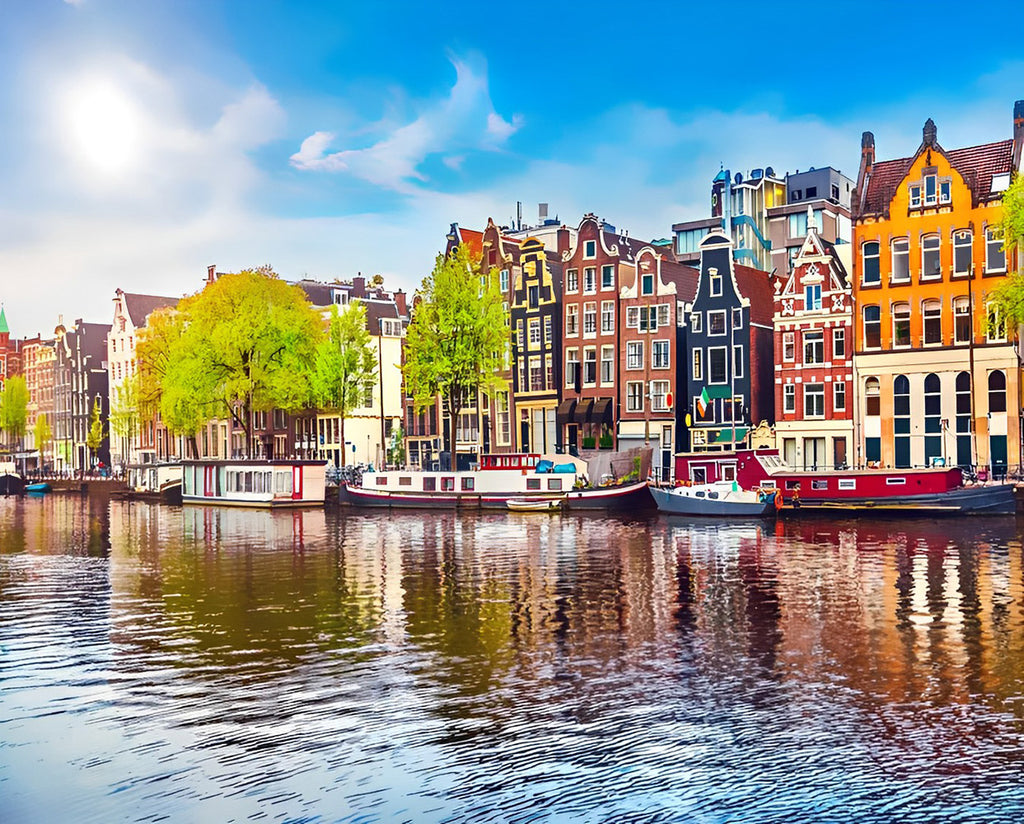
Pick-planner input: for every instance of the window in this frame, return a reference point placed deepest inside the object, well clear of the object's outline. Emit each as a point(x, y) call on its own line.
point(659, 354)
point(716, 283)
point(659, 396)
point(901, 324)
point(664, 314)
point(607, 365)
point(634, 396)
point(995, 328)
point(838, 343)
point(548, 329)
point(930, 190)
point(698, 365)
point(589, 318)
point(589, 366)
point(572, 319)
point(962, 252)
point(872, 398)
point(788, 346)
point(633, 316)
point(961, 320)
point(536, 376)
point(737, 361)
point(572, 365)
point(872, 327)
point(814, 400)
point(534, 296)
point(695, 323)
point(572, 280)
point(589, 280)
point(534, 333)
point(717, 366)
point(789, 398)
point(608, 277)
point(798, 224)
point(812, 191)
point(930, 256)
point(932, 419)
point(814, 347)
point(549, 372)
point(915, 196)
point(932, 322)
point(901, 421)
point(648, 318)
point(607, 316)
point(503, 280)
point(716, 322)
point(995, 257)
point(944, 191)
point(839, 396)
point(647, 283)
point(996, 391)
point(900, 259)
point(590, 248)
point(869, 257)
point(812, 297)
point(635, 354)
point(737, 318)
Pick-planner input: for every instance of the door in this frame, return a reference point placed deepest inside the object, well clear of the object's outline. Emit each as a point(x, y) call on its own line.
point(839, 453)
point(296, 483)
point(814, 453)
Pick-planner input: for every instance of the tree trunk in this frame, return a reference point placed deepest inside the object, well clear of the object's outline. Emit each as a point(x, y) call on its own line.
point(341, 424)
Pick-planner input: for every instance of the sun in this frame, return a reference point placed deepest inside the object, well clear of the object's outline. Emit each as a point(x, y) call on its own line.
point(103, 126)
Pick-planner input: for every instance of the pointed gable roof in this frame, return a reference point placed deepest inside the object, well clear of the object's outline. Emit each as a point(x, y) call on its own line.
point(139, 307)
point(4, 330)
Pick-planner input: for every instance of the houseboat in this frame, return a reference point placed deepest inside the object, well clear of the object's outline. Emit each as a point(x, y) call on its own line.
point(499, 478)
point(11, 483)
point(718, 499)
point(924, 491)
point(253, 482)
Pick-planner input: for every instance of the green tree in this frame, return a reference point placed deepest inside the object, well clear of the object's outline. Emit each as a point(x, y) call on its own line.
point(457, 337)
point(246, 343)
point(125, 417)
point(94, 437)
point(1008, 297)
point(345, 362)
point(396, 451)
point(43, 435)
point(14, 408)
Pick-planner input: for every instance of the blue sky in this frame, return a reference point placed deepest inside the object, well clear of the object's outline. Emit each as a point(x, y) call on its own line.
point(146, 140)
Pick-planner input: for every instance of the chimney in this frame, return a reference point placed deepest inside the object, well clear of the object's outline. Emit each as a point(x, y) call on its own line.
point(1018, 133)
point(563, 239)
point(867, 162)
point(403, 310)
point(359, 286)
point(211, 273)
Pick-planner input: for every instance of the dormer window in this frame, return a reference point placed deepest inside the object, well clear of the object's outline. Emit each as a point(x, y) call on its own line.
point(915, 197)
point(716, 283)
point(590, 248)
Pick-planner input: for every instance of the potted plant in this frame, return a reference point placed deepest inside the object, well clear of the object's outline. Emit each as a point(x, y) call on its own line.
point(588, 441)
point(606, 442)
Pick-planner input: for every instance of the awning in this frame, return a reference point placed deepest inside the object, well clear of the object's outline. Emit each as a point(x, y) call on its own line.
point(583, 408)
point(731, 435)
point(564, 412)
point(718, 391)
point(602, 411)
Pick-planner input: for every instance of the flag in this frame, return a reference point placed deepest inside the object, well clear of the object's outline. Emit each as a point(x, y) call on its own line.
point(702, 402)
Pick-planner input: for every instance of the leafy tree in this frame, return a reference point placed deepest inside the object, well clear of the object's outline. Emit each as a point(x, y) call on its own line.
point(396, 451)
point(43, 434)
point(125, 417)
point(96, 433)
point(344, 363)
point(245, 345)
point(457, 337)
point(1008, 297)
point(14, 407)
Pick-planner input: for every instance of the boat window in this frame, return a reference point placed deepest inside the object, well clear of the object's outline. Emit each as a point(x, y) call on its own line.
point(404, 480)
point(429, 484)
point(533, 483)
point(767, 484)
point(700, 495)
point(467, 484)
point(713, 494)
point(792, 484)
point(895, 481)
point(448, 484)
point(729, 472)
point(847, 483)
point(700, 475)
point(555, 484)
point(381, 480)
point(819, 484)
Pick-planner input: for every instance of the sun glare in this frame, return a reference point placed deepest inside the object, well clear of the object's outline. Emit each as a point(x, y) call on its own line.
point(103, 127)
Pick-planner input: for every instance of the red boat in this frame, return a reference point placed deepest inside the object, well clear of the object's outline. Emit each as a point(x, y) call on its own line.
point(925, 491)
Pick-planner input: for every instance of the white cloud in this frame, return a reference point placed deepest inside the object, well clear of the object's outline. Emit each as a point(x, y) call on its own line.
point(464, 120)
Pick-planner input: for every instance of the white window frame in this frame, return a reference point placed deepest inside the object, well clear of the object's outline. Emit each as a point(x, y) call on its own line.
point(695, 322)
point(572, 280)
point(659, 396)
point(607, 317)
point(589, 319)
point(572, 320)
point(719, 313)
point(724, 351)
point(904, 254)
point(572, 358)
point(634, 396)
point(927, 249)
point(818, 392)
point(607, 365)
point(634, 354)
point(737, 361)
point(789, 398)
point(994, 236)
point(697, 364)
point(789, 347)
point(660, 350)
point(589, 280)
point(590, 249)
point(632, 317)
point(839, 396)
point(838, 342)
point(815, 340)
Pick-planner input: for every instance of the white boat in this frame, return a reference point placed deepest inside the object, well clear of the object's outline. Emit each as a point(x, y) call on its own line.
point(253, 482)
point(719, 499)
point(535, 504)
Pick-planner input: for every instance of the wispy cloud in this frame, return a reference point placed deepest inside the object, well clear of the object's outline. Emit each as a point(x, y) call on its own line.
point(463, 121)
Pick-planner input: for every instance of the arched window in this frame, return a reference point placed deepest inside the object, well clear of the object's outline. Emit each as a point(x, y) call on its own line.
point(872, 327)
point(901, 420)
point(996, 391)
point(932, 419)
point(963, 251)
point(901, 324)
point(930, 247)
point(900, 259)
point(869, 259)
point(932, 322)
point(963, 420)
point(872, 424)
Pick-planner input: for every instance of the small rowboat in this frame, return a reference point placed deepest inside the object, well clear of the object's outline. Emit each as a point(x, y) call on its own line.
point(37, 488)
point(534, 504)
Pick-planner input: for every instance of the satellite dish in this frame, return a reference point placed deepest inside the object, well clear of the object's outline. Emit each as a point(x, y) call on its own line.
point(770, 172)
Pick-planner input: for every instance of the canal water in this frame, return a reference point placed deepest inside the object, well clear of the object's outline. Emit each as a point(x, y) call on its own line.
point(194, 664)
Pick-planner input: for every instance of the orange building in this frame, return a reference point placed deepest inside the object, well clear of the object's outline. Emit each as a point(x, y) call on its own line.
point(937, 378)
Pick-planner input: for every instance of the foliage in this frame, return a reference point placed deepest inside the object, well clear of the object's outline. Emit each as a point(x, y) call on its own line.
point(1008, 296)
point(396, 451)
point(125, 416)
point(96, 433)
point(457, 338)
point(1013, 214)
point(241, 345)
point(14, 407)
point(344, 362)
point(43, 433)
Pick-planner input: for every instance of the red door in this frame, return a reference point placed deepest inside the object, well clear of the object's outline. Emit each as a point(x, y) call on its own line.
point(209, 480)
point(296, 483)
